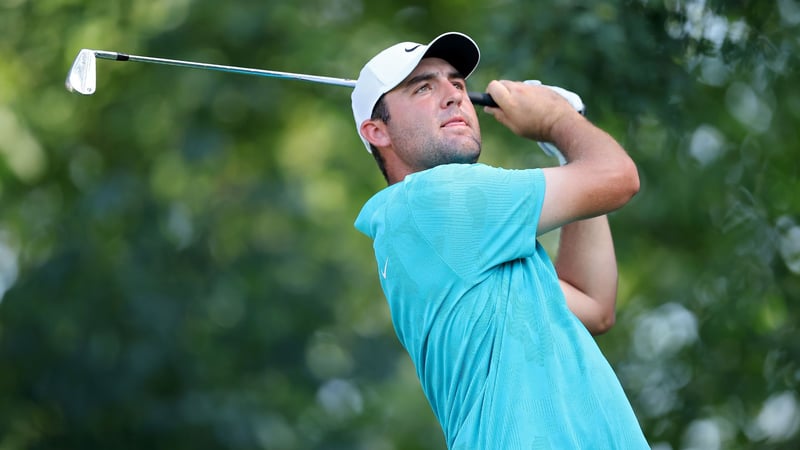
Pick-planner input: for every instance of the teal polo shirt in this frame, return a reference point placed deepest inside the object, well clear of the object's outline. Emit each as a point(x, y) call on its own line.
point(476, 303)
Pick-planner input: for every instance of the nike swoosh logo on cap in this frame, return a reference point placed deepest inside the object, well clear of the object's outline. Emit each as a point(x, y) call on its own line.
point(409, 50)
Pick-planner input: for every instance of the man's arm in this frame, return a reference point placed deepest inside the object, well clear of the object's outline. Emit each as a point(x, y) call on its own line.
point(599, 176)
point(587, 271)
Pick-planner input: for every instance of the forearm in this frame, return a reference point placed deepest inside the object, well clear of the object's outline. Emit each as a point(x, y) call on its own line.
point(593, 152)
point(599, 176)
point(587, 263)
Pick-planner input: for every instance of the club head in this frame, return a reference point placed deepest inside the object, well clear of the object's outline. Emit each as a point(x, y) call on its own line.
point(82, 76)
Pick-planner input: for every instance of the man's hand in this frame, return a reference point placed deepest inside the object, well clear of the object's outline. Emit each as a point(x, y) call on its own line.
point(530, 111)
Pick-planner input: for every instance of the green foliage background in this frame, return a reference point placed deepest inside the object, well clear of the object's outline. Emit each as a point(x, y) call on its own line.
point(178, 266)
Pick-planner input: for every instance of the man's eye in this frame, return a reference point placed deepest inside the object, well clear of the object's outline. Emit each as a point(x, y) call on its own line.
point(423, 88)
point(460, 86)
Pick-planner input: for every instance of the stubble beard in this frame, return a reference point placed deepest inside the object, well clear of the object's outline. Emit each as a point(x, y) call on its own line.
point(432, 152)
point(455, 153)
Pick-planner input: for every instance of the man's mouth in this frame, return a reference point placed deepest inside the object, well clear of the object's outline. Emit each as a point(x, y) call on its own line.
point(455, 122)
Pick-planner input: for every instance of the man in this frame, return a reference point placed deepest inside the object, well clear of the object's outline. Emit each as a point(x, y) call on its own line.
point(500, 337)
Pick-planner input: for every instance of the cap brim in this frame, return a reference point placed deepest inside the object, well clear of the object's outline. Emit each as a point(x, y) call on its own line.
point(458, 49)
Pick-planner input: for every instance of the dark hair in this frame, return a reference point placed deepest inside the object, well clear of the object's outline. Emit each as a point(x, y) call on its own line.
point(380, 112)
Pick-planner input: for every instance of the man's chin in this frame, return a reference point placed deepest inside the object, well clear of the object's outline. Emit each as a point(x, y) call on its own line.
point(472, 154)
point(461, 151)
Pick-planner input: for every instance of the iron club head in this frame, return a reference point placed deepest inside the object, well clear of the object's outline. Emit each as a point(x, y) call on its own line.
point(82, 77)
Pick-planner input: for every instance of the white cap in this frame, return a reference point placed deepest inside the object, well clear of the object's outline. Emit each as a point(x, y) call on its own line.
point(391, 66)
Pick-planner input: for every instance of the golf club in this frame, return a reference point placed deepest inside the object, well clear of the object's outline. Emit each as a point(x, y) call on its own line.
point(82, 77)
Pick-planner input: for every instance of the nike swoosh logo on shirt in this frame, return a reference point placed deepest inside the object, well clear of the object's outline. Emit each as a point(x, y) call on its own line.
point(385, 265)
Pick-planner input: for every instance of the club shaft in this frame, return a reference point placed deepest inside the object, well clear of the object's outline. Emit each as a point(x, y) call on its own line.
point(477, 98)
point(116, 56)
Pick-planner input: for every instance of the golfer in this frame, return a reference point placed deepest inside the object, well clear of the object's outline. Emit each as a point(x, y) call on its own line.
point(501, 337)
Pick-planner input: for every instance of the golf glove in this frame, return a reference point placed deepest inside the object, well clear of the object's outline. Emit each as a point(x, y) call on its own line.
point(575, 100)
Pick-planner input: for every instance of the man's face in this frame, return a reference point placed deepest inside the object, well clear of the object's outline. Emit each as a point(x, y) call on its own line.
point(432, 120)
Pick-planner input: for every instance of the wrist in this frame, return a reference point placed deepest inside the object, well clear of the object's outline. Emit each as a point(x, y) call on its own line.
point(562, 131)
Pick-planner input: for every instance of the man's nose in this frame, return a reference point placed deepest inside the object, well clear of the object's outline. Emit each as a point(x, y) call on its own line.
point(453, 95)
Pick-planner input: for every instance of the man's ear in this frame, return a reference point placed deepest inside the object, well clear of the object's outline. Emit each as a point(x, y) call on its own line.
point(374, 131)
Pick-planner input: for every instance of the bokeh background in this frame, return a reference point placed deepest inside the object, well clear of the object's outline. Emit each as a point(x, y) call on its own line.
point(178, 265)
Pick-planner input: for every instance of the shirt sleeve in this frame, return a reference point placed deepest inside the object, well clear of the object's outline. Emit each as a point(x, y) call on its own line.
point(476, 217)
